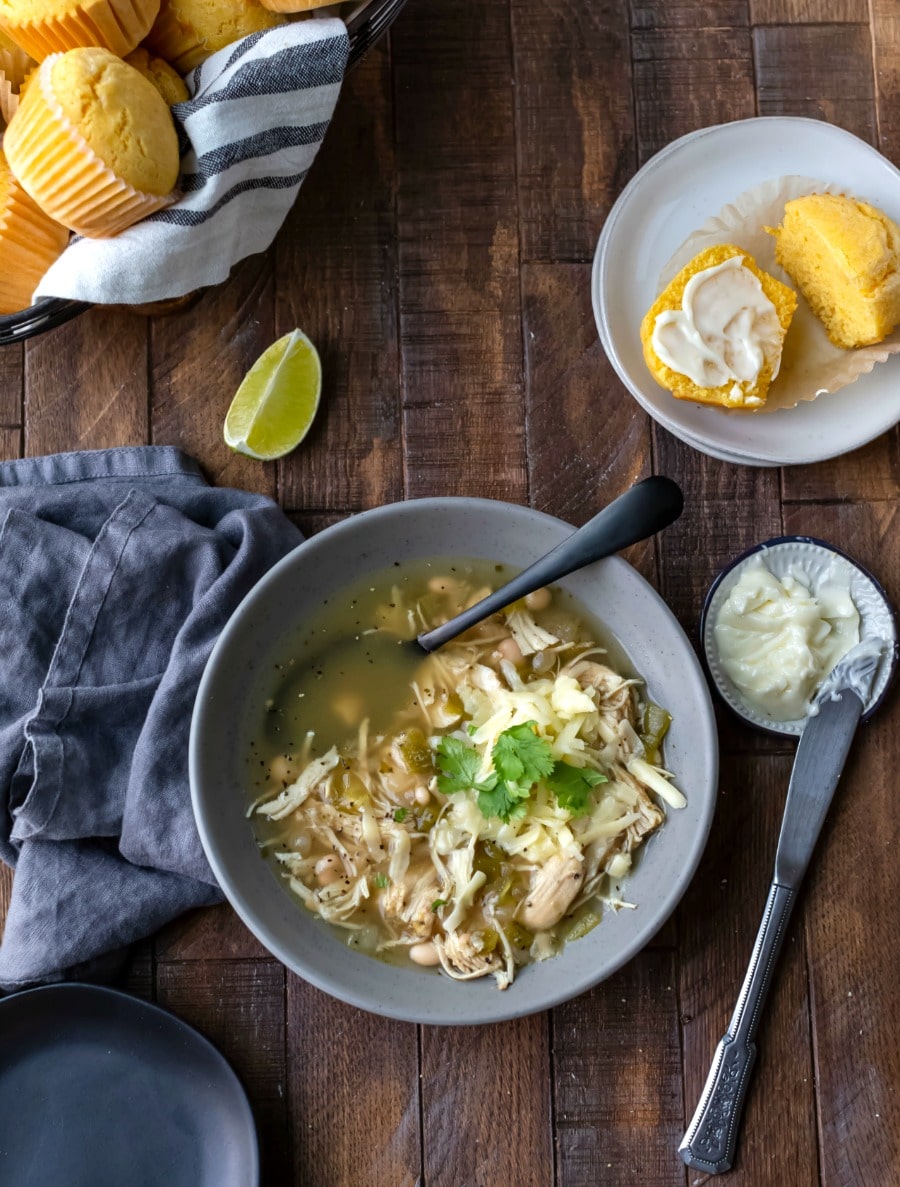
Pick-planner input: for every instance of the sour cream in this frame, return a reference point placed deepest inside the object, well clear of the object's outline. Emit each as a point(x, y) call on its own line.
point(726, 329)
point(777, 639)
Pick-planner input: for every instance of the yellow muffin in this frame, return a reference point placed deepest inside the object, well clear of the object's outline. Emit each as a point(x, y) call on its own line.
point(739, 313)
point(186, 32)
point(43, 27)
point(93, 142)
point(844, 256)
point(29, 243)
point(293, 5)
point(169, 84)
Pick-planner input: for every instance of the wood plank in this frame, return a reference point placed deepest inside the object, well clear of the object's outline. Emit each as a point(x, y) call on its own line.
point(588, 440)
point(854, 884)
point(683, 14)
point(791, 80)
point(208, 934)
point(139, 977)
point(10, 444)
point(872, 472)
point(575, 122)
point(12, 366)
point(727, 510)
point(86, 384)
point(198, 357)
point(718, 921)
point(478, 1083)
point(617, 1059)
point(336, 278)
point(6, 882)
point(460, 310)
point(886, 45)
point(799, 12)
point(239, 1006)
point(353, 1094)
point(687, 78)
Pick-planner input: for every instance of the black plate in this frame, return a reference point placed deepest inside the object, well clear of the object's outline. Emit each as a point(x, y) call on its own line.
point(98, 1089)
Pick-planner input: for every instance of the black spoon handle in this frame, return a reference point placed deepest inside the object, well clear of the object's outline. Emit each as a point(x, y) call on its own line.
point(645, 509)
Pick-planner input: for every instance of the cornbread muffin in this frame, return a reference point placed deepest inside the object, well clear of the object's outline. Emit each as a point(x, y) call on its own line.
point(43, 27)
point(293, 5)
point(93, 142)
point(186, 32)
point(169, 84)
point(715, 333)
point(29, 243)
point(844, 256)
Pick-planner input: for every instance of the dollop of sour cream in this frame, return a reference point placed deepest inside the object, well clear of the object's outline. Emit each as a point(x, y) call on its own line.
point(777, 639)
point(726, 328)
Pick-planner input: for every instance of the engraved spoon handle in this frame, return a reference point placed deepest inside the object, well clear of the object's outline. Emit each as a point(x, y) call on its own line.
point(711, 1137)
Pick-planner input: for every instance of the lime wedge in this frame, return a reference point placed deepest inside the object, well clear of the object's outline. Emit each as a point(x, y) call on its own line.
point(277, 401)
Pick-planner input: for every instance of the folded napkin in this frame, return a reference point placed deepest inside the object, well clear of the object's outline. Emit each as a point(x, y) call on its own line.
point(258, 111)
point(118, 569)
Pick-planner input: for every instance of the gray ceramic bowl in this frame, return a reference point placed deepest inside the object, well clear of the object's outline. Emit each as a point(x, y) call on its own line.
point(253, 639)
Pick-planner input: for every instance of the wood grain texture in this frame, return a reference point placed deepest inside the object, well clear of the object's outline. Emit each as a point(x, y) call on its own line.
point(478, 1083)
point(886, 46)
point(791, 80)
point(239, 1006)
point(353, 1094)
point(850, 915)
point(110, 382)
point(11, 384)
point(199, 355)
point(10, 443)
point(686, 78)
point(574, 119)
point(587, 439)
point(718, 921)
point(6, 881)
point(460, 310)
point(617, 1059)
point(211, 933)
point(336, 278)
point(816, 12)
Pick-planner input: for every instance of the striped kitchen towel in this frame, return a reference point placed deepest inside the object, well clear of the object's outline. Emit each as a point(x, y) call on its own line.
point(258, 111)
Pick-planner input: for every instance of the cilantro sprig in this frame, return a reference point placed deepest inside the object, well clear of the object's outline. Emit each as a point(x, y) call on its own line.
point(521, 759)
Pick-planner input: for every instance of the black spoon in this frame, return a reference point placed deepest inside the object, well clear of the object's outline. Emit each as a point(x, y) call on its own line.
point(644, 510)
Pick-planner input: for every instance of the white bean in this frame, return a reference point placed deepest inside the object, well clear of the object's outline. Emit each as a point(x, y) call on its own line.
point(539, 600)
point(424, 954)
point(509, 649)
point(423, 795)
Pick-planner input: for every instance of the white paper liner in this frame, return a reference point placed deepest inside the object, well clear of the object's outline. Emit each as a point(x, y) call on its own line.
point(810, 364)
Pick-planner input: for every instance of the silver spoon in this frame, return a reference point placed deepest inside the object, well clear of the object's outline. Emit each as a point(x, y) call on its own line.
point(851, 693)
point(642, 511)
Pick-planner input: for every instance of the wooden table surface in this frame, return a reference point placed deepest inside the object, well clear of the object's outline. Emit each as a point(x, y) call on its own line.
point(439, 254)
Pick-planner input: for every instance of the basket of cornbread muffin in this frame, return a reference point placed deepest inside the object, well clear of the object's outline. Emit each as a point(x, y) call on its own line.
point(726, 332)
point(90, 146)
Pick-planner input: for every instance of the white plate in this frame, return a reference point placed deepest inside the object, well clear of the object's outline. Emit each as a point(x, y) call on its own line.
point(674, 194)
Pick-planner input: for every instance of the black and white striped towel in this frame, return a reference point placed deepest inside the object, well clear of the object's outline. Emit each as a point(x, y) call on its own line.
point(258, 112)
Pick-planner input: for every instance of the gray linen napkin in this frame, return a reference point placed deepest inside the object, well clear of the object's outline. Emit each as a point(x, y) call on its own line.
point(118, 569)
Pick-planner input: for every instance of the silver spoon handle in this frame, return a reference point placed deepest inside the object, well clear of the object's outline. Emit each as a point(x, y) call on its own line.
point(711, 1137)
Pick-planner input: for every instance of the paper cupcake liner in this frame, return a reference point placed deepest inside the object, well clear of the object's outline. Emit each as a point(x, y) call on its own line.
point(16, 65)
point(63, 174)
point(116, 25)
point(29, 242)
point(11, 93)
point(810, 364)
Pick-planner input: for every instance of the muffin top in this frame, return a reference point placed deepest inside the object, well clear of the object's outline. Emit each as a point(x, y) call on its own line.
point(121, 115)
point(216, 23)
point(169, 84)
point(862, 239)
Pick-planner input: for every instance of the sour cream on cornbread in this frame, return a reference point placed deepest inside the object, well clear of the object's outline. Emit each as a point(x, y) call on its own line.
point(726, 329)
point(777, 639)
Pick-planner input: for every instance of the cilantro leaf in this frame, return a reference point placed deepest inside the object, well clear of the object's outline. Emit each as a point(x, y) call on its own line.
point(438, 903)
point(459, 763)
point(381, 881)
point(505, 800)
point(521, 757)
point(401, 814)
point(572, 786)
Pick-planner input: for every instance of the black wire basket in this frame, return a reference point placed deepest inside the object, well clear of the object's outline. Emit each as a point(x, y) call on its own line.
point(366, 22)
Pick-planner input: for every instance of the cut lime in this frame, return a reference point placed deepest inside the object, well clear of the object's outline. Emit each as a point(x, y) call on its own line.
point(276, 404)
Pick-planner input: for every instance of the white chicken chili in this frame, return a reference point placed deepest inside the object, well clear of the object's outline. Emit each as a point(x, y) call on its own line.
point(471, 810)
